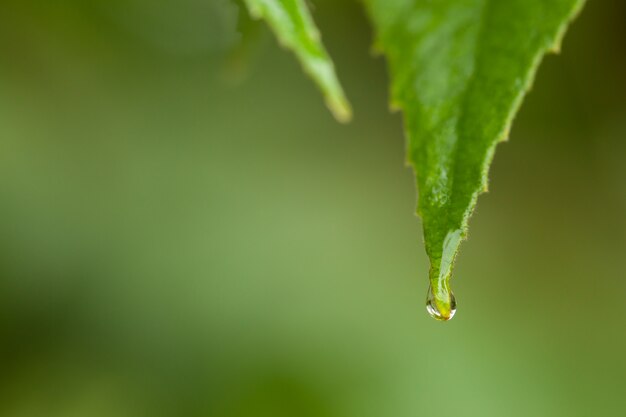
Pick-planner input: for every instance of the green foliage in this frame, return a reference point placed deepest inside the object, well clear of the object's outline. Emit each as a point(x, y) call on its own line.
point(459, 69)
point(295, 29)
point(459, 72)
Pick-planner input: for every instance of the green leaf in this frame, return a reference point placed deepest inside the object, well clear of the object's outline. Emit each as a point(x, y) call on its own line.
point(460, 69)
point(294, 27)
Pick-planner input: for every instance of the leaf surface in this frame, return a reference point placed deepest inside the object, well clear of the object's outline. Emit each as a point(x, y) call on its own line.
point(293, 25)
point(459, 70)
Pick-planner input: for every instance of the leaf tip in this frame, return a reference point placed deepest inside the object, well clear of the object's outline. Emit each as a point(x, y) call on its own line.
point(340, 109)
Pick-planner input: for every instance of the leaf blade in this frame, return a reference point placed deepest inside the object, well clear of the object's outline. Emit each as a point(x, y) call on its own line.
point(460, 69)
point(293, 25)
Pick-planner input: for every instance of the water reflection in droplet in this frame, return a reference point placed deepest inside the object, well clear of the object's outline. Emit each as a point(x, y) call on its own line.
point(442, 305)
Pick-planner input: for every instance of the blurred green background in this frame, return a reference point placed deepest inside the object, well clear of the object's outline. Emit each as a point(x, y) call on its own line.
point(186, 231)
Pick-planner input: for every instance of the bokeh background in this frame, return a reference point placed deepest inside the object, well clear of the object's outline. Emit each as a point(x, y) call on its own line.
point(186, 231)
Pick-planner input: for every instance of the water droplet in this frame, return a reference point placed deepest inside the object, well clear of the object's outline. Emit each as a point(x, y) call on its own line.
point(442, 305)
